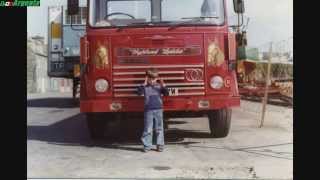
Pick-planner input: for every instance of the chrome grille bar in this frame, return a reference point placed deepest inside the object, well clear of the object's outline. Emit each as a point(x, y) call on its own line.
point(126, 79)
point(180, 88)
point(143, 73)
point(191, 93)
point(142, 79)
point(126, 95)
point(160, 66)
point(168, 84)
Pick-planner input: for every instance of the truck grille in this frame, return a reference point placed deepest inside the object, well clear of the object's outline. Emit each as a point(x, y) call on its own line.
point(126, 79)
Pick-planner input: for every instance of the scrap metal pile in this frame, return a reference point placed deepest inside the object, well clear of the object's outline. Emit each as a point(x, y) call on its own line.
point(252, 81)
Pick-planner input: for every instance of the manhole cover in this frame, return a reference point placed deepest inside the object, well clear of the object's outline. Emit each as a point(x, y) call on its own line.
point(161, 168)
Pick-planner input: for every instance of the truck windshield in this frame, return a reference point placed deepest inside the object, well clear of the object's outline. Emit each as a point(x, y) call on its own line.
point(178, 10)
point(104, 13)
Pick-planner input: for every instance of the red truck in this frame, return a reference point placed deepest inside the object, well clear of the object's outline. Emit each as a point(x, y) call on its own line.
point(188, 41)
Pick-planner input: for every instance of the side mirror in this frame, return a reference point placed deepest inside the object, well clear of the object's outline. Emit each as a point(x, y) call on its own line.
point(238, 6)
point(73, 7)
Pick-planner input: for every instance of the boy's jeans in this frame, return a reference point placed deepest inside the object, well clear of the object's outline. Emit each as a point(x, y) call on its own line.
point(148, 128)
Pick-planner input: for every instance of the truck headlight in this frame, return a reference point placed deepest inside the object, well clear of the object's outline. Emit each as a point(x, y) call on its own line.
point(101, 85)
point(216, 82)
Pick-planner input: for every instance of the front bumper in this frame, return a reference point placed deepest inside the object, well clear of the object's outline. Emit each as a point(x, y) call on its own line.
point(169, 104)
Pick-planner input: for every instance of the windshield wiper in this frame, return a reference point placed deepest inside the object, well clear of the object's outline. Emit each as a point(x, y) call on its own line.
point(150, 23)
point(192, 20)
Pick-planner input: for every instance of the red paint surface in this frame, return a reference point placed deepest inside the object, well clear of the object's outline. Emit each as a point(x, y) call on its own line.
point(169, 103)
point(158, 37)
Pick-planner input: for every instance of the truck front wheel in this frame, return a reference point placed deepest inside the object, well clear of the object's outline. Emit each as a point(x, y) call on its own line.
point(219, 122)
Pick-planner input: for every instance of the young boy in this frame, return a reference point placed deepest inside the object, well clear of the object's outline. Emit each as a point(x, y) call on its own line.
point(152, 89)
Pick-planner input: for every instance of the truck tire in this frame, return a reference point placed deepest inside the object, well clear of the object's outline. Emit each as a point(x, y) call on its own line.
point(96, 123)
point(219, 122)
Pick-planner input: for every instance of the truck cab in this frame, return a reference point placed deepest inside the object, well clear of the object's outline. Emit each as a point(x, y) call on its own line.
point(64, 32)
point(188, 41)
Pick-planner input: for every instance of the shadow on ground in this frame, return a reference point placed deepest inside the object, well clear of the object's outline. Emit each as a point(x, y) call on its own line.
point(73, 131)
point(54, 102)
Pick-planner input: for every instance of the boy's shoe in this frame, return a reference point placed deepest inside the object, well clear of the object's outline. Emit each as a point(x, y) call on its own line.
point(146, 150)
point(160, 148)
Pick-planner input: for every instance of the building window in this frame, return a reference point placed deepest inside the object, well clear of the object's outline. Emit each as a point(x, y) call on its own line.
point(79, 19)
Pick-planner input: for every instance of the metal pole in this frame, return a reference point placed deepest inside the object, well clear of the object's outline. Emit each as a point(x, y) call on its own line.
point(238, 27)
point(265, 99)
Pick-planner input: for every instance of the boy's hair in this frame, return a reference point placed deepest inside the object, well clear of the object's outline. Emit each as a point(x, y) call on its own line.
point(152, 73)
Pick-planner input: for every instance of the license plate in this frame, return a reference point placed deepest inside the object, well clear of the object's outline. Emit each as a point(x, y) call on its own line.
point(173, 91)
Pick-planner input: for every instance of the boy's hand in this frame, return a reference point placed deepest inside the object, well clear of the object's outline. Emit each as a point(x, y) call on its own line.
point(162, 82)
point(145, 81)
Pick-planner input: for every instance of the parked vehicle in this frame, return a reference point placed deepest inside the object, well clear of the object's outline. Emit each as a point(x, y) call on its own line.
point(188, 41)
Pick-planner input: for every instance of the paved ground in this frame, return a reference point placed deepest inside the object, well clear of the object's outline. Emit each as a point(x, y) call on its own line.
point(59, 146)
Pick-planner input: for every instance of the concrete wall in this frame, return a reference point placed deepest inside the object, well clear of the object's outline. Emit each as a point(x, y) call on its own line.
point(37, 78)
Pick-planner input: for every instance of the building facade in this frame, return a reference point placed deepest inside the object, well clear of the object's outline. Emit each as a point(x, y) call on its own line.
point(37, 63)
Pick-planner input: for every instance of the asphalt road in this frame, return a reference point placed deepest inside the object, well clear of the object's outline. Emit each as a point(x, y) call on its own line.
point(59, 145)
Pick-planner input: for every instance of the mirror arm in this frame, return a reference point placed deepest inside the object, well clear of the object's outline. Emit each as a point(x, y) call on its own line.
point(241, 20)
point(244, 28)
point(239, 25)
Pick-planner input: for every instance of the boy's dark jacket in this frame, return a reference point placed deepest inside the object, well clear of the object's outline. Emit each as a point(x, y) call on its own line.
point(152, 96)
